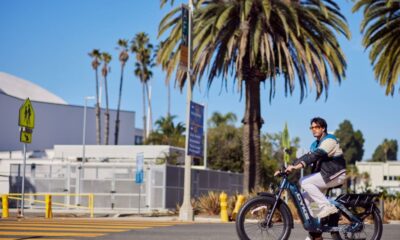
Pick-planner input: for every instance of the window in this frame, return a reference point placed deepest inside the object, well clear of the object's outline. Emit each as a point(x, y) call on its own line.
point(384, 178)
point(138, 140)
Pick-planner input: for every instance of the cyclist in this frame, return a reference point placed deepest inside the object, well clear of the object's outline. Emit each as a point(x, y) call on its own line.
point(328, 169)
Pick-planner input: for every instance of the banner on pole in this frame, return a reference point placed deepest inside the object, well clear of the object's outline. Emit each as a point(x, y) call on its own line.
point(139, 168)
point(184, 48)
point(196, 130)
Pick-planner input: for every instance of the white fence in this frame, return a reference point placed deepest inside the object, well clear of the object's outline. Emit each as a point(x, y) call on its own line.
point(113, 184)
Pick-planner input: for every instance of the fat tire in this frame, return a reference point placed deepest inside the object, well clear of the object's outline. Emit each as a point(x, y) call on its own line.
point(378, 228)
point(281, 207)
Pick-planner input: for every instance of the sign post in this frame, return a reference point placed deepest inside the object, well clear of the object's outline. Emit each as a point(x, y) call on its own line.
point(186, 210)
point(139, 173)
point(26, 121)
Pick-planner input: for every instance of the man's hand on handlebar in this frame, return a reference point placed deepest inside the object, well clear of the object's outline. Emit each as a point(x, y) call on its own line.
point(289, 169)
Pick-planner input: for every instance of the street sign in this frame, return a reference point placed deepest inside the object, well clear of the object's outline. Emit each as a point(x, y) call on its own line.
point(26, 121)
point(196, 132)
point(139, 168)
point(26, 115)
point(26, 135)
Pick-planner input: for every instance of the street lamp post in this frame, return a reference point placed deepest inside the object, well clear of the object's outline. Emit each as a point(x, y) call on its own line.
point(80, 168)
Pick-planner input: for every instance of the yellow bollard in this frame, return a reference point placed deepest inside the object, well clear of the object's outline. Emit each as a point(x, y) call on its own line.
point(224, 205)
point(239, 203)
point(4, 199)
point(91, 204)
point(49, 212)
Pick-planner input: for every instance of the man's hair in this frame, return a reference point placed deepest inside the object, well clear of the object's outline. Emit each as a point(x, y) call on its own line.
point(320, 122)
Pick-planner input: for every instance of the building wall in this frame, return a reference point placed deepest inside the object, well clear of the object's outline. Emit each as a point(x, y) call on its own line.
point(381, 174)
point(59, 124)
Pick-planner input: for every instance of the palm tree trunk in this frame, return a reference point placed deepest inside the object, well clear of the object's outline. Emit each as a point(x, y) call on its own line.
point(119, 106)
point(169, 99)
point(107, 114)
point(98, 123)
point(144, 113)
point(252, 123)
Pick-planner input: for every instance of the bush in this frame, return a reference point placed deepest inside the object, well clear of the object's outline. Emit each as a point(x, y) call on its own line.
point(209, 203)
point(392, 209)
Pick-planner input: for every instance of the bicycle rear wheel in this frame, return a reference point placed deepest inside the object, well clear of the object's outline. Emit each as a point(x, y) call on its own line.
point(250, 222)
point(370, 230)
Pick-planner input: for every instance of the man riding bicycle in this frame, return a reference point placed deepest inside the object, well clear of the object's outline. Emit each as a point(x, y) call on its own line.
point(328, 169)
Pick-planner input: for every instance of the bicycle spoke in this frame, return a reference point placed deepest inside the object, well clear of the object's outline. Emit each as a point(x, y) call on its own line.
point(254, 225)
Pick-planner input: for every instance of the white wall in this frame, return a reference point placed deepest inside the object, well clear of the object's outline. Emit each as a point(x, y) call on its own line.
point(58, 124)
point(378, 171)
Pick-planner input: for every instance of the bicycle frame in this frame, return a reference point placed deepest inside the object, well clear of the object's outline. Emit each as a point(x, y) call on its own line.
point(310, 223)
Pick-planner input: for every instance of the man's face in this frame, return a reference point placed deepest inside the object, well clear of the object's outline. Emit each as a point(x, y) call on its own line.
point(317, 130)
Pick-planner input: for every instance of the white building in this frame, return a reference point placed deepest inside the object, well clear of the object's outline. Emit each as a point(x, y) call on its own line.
point(56, 122)
point(382, 174)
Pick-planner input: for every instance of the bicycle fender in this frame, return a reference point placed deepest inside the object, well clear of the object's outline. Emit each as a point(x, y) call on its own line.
point(267, 194)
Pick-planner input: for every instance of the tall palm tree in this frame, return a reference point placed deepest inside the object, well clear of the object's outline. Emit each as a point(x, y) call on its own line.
point(256, 41)
point(106, 57)
point(382, 33)
point(96, 56)
point(123, 58)
point(142, 48)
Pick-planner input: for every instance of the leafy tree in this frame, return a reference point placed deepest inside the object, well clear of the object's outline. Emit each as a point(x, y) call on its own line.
point(143, 51)
point(224, 151)
point(387, 151)
point(272, 156)
point(167, 133)
point(123, 58)
point(351, 142)
point(255, 41)
point(96, 56)
point(381, 33)
point(106, 57)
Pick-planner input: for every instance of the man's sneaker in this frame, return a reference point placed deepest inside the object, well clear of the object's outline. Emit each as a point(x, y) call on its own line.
point(327, 210)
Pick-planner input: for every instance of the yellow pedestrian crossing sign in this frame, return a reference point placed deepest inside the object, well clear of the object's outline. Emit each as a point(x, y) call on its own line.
point(26, 115)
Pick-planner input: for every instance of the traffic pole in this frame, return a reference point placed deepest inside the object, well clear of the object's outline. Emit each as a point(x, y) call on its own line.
point(23, 184)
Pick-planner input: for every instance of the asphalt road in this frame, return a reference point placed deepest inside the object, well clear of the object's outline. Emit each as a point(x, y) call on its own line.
point(217, 231)
point(137, 229)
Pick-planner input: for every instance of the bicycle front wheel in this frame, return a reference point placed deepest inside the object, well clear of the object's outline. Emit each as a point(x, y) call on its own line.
point(251, 220)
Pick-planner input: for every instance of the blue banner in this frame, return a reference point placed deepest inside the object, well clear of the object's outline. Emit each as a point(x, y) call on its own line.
point(139, 168)
point(196, 133)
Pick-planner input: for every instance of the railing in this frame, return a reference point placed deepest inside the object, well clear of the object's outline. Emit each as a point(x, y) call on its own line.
point(48, 203)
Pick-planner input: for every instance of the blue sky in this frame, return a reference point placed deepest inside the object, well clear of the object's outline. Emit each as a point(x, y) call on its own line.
point(47, 42)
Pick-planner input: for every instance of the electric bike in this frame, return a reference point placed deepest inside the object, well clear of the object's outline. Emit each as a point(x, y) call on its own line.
point(267, 216)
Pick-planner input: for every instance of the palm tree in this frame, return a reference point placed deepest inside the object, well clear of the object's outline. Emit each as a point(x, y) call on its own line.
point(382, 33)
point(218, 119)
point(96, 56)
point(106, 57)
point(256, 41)
point(167, 133)
point(123, 58)
point(143, 51)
